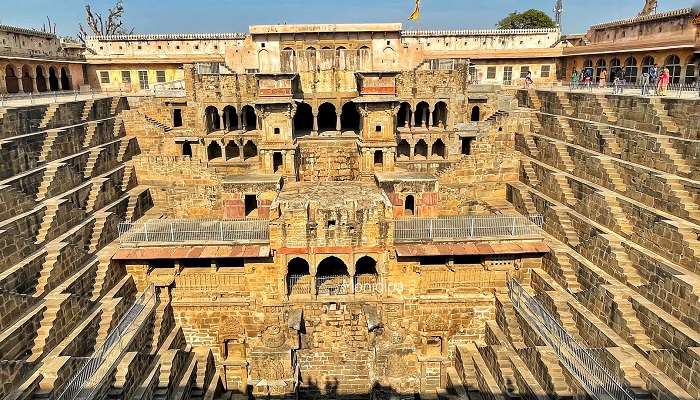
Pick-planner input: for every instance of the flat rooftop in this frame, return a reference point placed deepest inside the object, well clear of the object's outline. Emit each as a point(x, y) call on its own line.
point(324, 28)
point(332, 195)
point(404, 176)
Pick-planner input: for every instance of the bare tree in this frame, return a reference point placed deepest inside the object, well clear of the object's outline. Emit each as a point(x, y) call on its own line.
point(97, 25)
point(50, 28)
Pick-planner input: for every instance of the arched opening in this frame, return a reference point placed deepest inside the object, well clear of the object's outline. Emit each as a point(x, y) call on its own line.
point(27, 80)
point(438, 149)
point(11, 80)
point(615, 68)
point(264, 61)
point(250, 120)
point(691, 70)
point(230, 118)
point(647, 63)
point(403, 119)
point(600, 66)
point(440, 115)
point(53, 79)
point(213, 151)
point(40, 79)
point(378, 158)
point(349, 117)
point(631, 70)
point(332, 277)
point(65, 80)
point(365, 58)
point(673, 64)
point(421, 149)
point(232, 151)
point(288, 59)
point(341, 55)
point(403, 150)
point(250, 150)
point(212, 120)
point(421, 116)
point(409, 205)
point(310, 59)
point(187, 149)
point(327, 117)
point(303, 120)
point(389, 56)
point(365, 275)
point(277, 161)
point(476, 114)
point(298, 277)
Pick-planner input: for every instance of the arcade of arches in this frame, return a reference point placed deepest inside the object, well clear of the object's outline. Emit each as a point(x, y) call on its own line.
point(34, 78)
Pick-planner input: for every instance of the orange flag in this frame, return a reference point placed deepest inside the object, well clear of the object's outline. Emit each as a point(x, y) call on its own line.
point(416, 12)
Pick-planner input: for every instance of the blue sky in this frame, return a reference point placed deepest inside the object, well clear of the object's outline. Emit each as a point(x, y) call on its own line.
point(161, 16)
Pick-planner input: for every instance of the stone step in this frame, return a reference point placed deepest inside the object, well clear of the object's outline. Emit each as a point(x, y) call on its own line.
point(92, 161)
point(87, 110)
point(48, 115)
point(619, 216)
point(47, 146)
point(608, 165)
point(567, 194)
point(47, 179)
point(680, 163)
point(90, 130)
point(53, 251)
point(627, 272)
point(52, 207)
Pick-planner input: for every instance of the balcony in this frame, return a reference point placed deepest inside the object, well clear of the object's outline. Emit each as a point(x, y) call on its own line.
point(467, 228)
point(169, 231)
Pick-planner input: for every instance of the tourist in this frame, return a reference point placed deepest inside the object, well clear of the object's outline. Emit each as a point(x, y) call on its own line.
point(587, 76)
point(645, 82)
point(664, 80)
point(574, 79)
point(618, 84)
point(528, 79)
point(654, 78)
point(603, 78)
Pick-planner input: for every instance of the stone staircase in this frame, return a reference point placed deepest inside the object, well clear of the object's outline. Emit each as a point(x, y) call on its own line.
point(87, 110)
point(90, 130)
point(570, 233)
point(619, 216)
point(104, 257)
point(627, 272)
point(100, 223)
point(123, 146)
point(92, 161)
point(534, 99)
point(53, 251)
point(680, 163)
point(686, 201)
point(47, 179)
point(48, 115)
point(52, 311)
point(610, 140)
point(566, 106)
point(564, 157)
point(47, 146)
point(567, 193)
point(52, 207)
point(566, 270)
point(156, 123)
point(609, 115)
point(661, 118)
point(530, 174)
point(95, 191)
point(638, 336)
point(614, 177)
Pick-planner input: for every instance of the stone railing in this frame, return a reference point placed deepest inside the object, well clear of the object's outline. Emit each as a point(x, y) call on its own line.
point(467, 228)
point(179, 231)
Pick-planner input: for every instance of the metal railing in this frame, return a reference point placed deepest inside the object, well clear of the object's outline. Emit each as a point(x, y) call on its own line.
point(467, 227)
point(299, 284)
point(84, 383)
point(333, 284)
point(180, 230)
point(169, 89)
point(676, 90)
point(580, 361)
point(19, 99)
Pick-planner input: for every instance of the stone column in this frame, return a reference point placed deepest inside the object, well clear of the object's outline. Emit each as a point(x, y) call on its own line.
point(20, 84)
point(430, 118)
point(314, 131)
point(238, 121)
point(240, 150)
point(425, 118)
point(3, 86)
point(407, 123)
point(337, 123)
point(243, 121)
point(221, 121)
point(35, 89)
point(411, 151)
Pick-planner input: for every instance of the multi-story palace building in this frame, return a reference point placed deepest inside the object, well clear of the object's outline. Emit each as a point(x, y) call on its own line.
point(349, 211)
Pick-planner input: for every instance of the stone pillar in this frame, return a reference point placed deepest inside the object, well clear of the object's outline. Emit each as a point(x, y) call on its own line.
point(240, 150)
point(407, 123)
point(430, 118)
point(411, 151)
point(221, 121)
point(20, 84)
point(314, 131)
point(424, 118)
point(337, 123)
point(3, 86)
point(238, 120)
point(58, 78)
point(243, 121)
point(34, 87)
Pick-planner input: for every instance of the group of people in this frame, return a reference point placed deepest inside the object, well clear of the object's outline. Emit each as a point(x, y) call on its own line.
point(654, 77)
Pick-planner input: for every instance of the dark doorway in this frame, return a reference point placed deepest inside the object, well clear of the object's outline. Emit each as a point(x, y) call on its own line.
point(187, 149)
point(303, 120)
point(250, 120)
point(277, 161)
point(410, 205)
point(378, 157)
point(65, 80)
point(177, 117)
point(230, 118)
point(250, 150)
point(421, 116)
point(213, 151)
point(440, 115)
point(438, 149)
point(350, 118)
point(212, 119)
point(40, 80)
point(476, 114)
point(327, 117)
point(298, 277)
point(53, 79)
point(403, 150)
point(403, 118)
point(232, 150)
point(11, 80)
point(421, 149)
point(466, 145)
point(251, 205)
point(27, 80)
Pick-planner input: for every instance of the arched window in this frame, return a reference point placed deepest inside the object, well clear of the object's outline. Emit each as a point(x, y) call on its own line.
point(65, 79)
point(403, 119)
point(365, 275)
point(378, 158)
point(691, 70)
point(310, 59)
point(213, 151)
point(341, 56)
point(327, 117)
point(440, 115)
point(332, 277)
point(212, 120)
point(288, 59)
point(350, 118)
point(403, 150)
point(264, 61)
point(230, 118)
point(600, 66)
point(421, 116)
point(53, 79)
point(438, 149)
point(40, 79)
point(647, 62)
point(298, 277)
point(615, 67)
point(249, 119)
point(232, 151)
point(277, 161)
point(250, 150)
point(409, 205)
point(303, 120)
point(365, 58)
point(27, 80)
point(476, 114)
point(11, 80)
point(421, 149)
point(631, 70)
point(673, 63)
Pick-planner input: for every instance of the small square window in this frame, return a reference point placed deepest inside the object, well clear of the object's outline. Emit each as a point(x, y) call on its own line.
point(262, 45)
point(331, 223)
point(196, 47)
point(388, 42)
point(139, 47)
point(544, 71)
point(160, 47)
point(524, 70)
point(277, 131)
point(491, 73)
point(160, 76)
point(104, 76)
point(216, 47)
point(126, 77)
point(378, 128)
point(177, 47)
